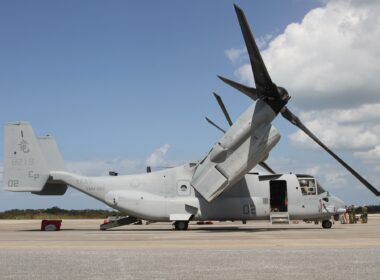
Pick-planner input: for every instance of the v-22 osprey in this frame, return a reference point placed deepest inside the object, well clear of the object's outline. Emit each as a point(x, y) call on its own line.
point(219, 187)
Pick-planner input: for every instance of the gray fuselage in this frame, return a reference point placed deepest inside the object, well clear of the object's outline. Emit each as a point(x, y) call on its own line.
point(167, 195)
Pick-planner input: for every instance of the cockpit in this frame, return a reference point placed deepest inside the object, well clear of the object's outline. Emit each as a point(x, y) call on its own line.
point(309, 185)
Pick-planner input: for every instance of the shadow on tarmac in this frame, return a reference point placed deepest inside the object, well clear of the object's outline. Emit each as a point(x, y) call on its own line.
point(200, 229)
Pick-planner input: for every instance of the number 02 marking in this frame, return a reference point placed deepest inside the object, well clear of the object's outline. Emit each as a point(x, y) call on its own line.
point(13, 183)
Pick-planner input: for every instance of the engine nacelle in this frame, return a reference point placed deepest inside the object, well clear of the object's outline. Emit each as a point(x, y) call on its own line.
point(244, 145)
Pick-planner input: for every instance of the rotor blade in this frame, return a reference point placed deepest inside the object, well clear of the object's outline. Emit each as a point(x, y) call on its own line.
point(248, 91)
point(221, 104)
point(262, 79)
point(266, 167)
point(215, 125)
point(287, 114)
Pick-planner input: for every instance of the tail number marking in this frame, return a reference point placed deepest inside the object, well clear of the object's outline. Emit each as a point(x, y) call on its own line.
point(22, 161)
point(13, 183)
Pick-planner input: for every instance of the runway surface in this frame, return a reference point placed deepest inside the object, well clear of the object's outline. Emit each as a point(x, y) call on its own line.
point(257, 250)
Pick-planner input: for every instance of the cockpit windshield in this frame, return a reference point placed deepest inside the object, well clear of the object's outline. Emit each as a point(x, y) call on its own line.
point(320, 189)
point(308, 186)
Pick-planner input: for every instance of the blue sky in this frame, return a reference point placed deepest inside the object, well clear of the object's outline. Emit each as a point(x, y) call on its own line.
point(121, 82)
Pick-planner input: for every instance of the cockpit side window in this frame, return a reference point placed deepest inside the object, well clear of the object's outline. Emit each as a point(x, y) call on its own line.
point(308, 186)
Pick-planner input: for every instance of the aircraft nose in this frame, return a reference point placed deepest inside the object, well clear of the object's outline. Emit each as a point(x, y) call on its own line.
point(338, 204)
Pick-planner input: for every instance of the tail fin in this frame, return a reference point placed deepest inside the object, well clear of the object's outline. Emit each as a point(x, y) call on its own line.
point(28, 161)
point(51, 153)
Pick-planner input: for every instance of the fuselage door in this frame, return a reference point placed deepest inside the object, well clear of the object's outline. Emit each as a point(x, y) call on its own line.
point(278, 196)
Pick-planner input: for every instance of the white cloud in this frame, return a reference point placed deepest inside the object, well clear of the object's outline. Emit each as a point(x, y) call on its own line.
point(244, 74)
point(313, 170)
point(363, 113)
point(336, 180)
point(156, 159)
point(262, 42)
point(373, 154)
point(344, 128)
point(235, 55)
point(330, 59)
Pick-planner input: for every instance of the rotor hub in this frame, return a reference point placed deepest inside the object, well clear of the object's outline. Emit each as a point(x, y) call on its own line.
point(283, 93)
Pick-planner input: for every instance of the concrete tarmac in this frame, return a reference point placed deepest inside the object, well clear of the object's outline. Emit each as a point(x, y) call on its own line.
point(257, 250)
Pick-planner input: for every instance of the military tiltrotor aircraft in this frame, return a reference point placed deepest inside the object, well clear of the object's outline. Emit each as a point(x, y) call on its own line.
point(219, 187)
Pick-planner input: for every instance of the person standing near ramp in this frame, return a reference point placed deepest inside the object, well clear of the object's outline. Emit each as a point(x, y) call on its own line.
point(364, 215)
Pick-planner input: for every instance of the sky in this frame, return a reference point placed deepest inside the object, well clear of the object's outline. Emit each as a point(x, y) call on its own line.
point(126, 84)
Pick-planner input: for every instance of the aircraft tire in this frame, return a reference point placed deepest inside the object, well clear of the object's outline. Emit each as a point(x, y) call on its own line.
point(50, 227)
point(326, 224)
point(181, 225)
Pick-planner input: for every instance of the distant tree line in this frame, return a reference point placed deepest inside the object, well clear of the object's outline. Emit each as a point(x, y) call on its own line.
point(57, 213)
point(372, 209)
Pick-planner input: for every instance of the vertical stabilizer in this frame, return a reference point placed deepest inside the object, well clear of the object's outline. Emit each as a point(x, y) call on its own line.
point(50, 151)
point(25, 167)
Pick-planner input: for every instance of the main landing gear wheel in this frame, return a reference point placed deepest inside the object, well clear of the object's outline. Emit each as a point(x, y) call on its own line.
point(326, 224)
point(181, 225)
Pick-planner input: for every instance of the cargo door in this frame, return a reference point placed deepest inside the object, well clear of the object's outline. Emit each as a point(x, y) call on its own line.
point(278, 196)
